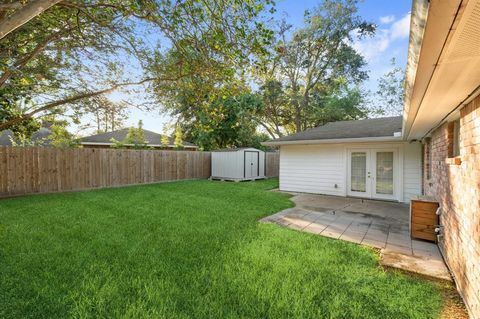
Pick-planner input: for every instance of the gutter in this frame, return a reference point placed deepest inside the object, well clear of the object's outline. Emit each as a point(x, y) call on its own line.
point(335, 140)
point(418, 22)
point(420, 11)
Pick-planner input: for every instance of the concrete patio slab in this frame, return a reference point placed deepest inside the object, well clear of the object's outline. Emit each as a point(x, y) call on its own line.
point(418, 264)
point(378, 224)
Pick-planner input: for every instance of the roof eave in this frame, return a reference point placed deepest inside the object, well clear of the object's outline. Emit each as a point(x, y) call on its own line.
point(417, 29)
point(335, 140)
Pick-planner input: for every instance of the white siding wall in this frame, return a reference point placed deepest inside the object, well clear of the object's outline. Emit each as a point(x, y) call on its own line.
point(313, 169)
point(412, 170)
point(322, 168)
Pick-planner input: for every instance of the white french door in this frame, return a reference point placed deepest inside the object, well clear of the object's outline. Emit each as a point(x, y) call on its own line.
point(372, 173)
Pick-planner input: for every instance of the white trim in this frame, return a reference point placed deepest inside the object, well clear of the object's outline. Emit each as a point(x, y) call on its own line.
point(418, 23)
point(371, 162)
point(396, 175)
point(368, 191)
point(153, 145)
point(336, 140)
point(400, 169)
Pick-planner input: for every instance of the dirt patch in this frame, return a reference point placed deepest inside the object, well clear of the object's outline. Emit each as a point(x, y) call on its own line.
point(453, 306)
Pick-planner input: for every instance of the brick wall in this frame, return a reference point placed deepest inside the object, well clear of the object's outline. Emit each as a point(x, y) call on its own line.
point(457, 188)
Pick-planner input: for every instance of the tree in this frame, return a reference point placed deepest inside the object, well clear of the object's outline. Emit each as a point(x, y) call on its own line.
point(313, 62)
point(342, 104)
point(61, 57)
point(22, 14)
point(10, 109)
point(135, 138)
point(390, 92)
point(276, 114)
point(178, 137)
point(60, 137)
point(107, 115)
point(74, 50)
point(226, 122)
point(164, 139)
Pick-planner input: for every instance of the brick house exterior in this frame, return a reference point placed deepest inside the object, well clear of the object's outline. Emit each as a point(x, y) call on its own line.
point(455, 183)
point(442, 110)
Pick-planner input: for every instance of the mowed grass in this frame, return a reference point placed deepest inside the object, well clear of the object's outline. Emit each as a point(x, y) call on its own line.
point(192, 249)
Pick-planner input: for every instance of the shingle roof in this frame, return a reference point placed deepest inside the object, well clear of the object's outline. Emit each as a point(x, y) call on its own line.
point(377, 127)
point(39, 136)
point(151, 137)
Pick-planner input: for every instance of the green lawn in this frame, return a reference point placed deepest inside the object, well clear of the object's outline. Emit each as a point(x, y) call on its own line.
point(190, 249)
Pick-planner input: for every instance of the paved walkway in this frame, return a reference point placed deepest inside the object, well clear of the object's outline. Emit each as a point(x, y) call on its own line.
point(378, 224)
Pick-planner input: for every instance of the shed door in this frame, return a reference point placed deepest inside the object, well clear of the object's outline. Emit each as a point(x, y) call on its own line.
point(251, 164)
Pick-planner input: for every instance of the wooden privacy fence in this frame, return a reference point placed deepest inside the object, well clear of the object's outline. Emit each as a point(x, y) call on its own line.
point(27, 170)
point(272, 164)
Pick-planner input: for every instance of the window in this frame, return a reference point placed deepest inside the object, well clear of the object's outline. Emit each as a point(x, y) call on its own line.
point(456, 138)
point(454, 143)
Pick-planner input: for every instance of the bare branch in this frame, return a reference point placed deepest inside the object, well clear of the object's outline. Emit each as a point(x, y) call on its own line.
point(24, 14)
point(68, 100)
point(24, 60)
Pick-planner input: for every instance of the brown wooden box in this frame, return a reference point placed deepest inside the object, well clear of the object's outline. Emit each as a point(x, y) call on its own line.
point(423, 219)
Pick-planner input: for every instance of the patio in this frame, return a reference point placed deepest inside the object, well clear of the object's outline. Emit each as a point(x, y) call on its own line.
point(378, 224)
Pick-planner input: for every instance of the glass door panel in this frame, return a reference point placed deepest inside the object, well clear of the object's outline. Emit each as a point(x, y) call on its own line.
point(384, 173)
point(358, 172)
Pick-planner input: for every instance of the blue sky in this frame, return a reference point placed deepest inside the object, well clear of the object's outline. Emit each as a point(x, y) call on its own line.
point(391, 41)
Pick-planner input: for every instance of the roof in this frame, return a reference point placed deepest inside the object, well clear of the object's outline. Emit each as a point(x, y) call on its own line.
point(39, 136)
point(152, 138)
point(443, 61)
point(236, 149)
point(369, 128)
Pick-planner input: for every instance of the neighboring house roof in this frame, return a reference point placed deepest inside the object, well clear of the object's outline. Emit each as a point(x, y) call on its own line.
point(387, 128)
point(39, 137)
point(152, 138)
point(443, 61)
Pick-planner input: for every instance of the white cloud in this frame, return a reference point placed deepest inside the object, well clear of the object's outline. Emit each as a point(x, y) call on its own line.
point(372, 48)
point(387, 19)
point(401, 28)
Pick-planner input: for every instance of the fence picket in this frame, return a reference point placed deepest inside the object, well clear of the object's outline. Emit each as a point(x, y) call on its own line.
point(42, 170)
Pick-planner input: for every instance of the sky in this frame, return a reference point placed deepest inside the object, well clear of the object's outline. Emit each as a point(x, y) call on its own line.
point(392, 18)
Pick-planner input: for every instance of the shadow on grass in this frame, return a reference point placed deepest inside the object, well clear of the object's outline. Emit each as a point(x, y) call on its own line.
point(188, 250)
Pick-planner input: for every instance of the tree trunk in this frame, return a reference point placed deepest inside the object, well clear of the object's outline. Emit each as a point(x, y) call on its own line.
point(24, 14)
point(298, 118)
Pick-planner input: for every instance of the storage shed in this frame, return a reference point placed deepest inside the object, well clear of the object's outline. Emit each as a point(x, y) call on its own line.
point(238, 164)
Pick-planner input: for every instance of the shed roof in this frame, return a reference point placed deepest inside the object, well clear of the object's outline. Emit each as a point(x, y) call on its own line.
point(105, 138)
point(376, 127)
point(236, 149)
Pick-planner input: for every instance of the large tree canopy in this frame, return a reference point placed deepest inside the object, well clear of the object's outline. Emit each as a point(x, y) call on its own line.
point(307, 65)
point(391, 90)
point(75, 50)
point(218, 67)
